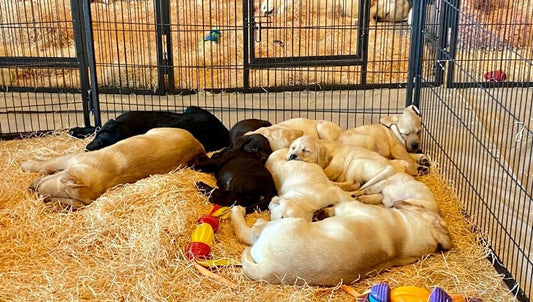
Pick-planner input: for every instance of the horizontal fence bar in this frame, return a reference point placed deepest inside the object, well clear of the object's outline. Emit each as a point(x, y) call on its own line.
point(50, 62)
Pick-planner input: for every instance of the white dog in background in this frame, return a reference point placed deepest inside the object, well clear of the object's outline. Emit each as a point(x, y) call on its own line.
point(281, 135)
point(380, 10)
point(348, 166)
point(359, 240)
point(396, 137)
point(303, 188)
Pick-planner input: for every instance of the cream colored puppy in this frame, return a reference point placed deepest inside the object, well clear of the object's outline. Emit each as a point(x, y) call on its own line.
point(303, 188)
point(400, 187)
point(348, 166)
point(282, 134)
point(359, 240)
point(348, 8)
point(278, 137)
point(392, 10)
point(396, 137)
point(382, 10)
point(78, 179)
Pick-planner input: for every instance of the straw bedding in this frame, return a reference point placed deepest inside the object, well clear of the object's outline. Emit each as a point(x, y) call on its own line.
point(129, 244)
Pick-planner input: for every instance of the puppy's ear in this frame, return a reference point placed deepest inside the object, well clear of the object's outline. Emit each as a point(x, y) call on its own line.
point(413, 109)
point(323, 156)
point(241, 141)
point(389, 120)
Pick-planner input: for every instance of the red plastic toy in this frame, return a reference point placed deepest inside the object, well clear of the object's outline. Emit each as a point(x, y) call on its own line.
point(203, 235)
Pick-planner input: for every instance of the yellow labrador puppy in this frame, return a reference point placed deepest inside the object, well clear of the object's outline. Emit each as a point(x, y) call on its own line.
point(303, 188)
point(278, 136)
point(348, 166)
point(282, 134)
point(400, 187)
point(78, 179)
point(357, 241)
point(397, 137)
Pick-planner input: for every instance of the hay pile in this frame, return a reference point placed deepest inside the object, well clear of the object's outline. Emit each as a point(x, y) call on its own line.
point(129, 244)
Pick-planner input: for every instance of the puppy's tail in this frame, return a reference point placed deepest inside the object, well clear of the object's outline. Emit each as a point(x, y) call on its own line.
point(251, 268)
point(384, 174)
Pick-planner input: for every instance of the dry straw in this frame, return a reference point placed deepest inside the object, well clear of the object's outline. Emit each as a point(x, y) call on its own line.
point(129, 244)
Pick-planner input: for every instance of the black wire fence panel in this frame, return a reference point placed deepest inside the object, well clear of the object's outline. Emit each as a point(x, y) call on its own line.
point(212, 45)
point(37, 46)
point(493, 43)
point(478, 124)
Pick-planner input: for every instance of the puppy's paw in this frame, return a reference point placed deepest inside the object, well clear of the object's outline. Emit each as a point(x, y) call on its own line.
point(424, 161)
point(422, 170)
point(323, 213)
point(356, 194)
point(237, 211)
point(34, 186)
point(204, 188)
point(31, 166)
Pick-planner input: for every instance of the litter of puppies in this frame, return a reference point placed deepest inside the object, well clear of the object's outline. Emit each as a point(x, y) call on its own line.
point(163, 213)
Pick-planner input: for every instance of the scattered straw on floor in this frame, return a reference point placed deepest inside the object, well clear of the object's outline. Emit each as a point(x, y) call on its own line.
point(129, 244)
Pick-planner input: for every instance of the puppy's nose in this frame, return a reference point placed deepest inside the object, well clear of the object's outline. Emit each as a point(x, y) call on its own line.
point(414, 146)
point(292, 156)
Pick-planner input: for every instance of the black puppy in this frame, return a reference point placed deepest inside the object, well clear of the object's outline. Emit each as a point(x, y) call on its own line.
point(244, 126)
point(238, 130)
point(203, 125)
point(242, 178)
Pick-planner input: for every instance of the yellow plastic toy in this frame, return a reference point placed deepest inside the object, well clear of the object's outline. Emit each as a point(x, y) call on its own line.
point(203, 235)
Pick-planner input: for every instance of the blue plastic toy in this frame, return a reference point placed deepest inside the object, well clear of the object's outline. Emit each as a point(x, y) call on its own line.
point(213, 35)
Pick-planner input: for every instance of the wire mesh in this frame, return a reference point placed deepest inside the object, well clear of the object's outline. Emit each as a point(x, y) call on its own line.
point(480, 134)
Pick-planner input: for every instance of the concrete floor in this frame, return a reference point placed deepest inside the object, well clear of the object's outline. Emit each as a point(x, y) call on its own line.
point(26, 112)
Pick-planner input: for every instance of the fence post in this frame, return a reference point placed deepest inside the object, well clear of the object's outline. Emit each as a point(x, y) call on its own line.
point(453, 20)
point(165, 61)
point(89, 45)
point(248, 17)
point(83, 35)
point(416, 54)
point(81, 54)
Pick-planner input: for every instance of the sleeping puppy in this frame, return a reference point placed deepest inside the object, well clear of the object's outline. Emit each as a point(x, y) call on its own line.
point(242, 178)
point(350, 167)
point(397, 137)
point(303, 188)
point(357, 241)
point(206, 127)
point(238, 130)
point(282, 134)
point(244, 126)
point(78, 179)
point(398, 188)
point(278, 136)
